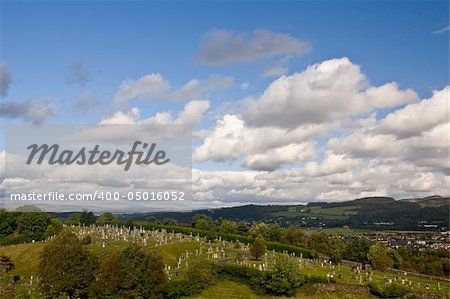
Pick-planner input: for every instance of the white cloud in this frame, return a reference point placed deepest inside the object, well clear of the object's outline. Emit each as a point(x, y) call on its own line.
point(145, 88)
point(222, 46)
point(191, 115)
point(324, 92)
point(195, 88)
point(418, 117)
point(264, 148)
point(122, 118)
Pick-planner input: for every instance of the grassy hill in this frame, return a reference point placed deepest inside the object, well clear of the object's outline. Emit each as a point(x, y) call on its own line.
point(348, 283)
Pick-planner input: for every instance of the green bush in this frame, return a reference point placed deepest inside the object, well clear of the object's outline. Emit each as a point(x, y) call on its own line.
point(251, 277)
point(393, 290)
point(199, 276)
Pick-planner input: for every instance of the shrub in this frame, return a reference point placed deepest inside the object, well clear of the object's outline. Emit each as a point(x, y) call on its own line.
point(285, 278)
point(251, 277)
point(199, 276)
point(393, 290)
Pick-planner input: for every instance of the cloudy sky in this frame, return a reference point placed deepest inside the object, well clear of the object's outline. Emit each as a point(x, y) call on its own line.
point(291, 101)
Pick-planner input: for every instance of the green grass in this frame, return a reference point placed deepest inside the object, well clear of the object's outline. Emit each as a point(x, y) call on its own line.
point(26, 259)
point(339, 213)
point(232, 290)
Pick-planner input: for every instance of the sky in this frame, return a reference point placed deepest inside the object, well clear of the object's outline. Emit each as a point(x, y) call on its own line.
point(291, 101)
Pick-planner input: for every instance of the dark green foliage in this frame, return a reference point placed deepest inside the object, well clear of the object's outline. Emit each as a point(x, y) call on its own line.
point(106, 218)
point(33, 225)
point(294, 236)
point(8, 223)
point(57, 225)
point(393, 290)
point(285, 278)
point(84, 218)
point(199, 276)
point(49, 232)
point(132, 274)
point(430, 262)
point(203, 222)
point(66, 268)
point(379, 257)
point(319, 242)
point(251, 277)
point(357, 250)
point(397, 259)
point(335, 250)
point(258, 247)
point(87, 218)
point(228, 227)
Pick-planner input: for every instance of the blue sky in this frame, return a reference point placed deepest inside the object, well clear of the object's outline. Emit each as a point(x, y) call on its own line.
point(59, 52)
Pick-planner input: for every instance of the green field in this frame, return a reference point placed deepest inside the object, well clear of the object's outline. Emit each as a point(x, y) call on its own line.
point(339, 213)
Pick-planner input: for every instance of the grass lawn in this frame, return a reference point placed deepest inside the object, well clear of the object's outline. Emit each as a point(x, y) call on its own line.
point(232, 290)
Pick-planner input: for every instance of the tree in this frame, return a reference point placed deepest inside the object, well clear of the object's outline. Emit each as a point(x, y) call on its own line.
point(169, 221)
point(87, 218)
point(66, 268)
point(258, 247)
point(131, 274)
point(242, 228)
point(357, 250)
point(397, 259)
point(228, 227)
point(379, 257)
point(84, 218)
point(57, 225)
point(8, 223)
point(285, 277)
point(49, 232)
point(106, 218)
point(275, 233)
point(294, 236)
point(203, 222)
point(259, 229)
point(319, 242)
point(33, 225)
point(335, 250)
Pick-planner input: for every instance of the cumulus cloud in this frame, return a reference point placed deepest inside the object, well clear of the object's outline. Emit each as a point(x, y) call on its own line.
point(79, 72)
point(324, 92)
point(418, 117)
point(264, 148)
point(5, 79)
point(195, 88)
point(145, 88)
point(191, 115)
point(34, 111)
point(86, 102)
point(417, 134)
point(222, 46)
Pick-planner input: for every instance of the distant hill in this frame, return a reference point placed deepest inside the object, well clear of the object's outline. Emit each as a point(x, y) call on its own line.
point(378, 213)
